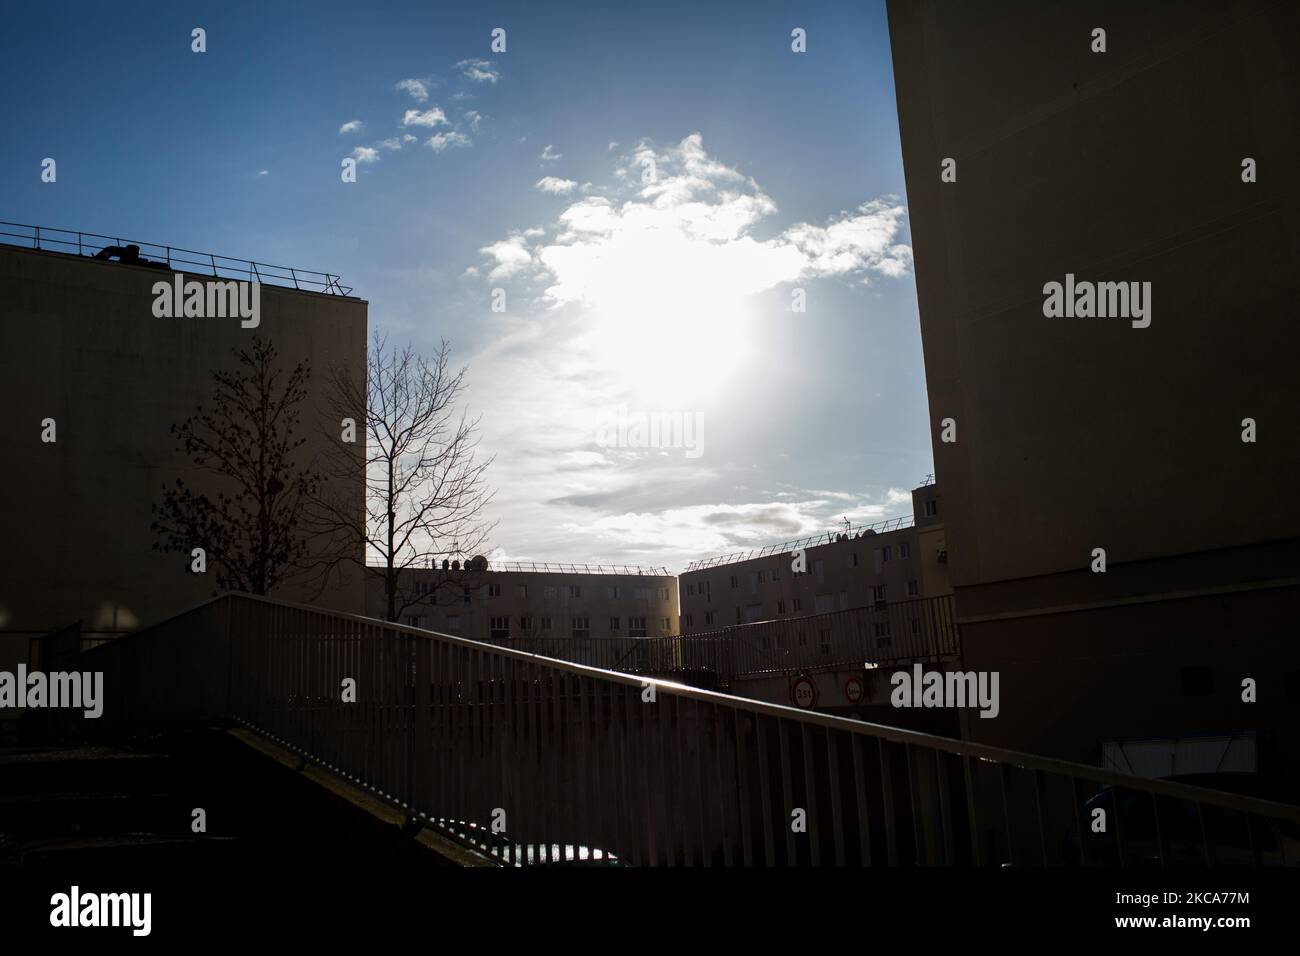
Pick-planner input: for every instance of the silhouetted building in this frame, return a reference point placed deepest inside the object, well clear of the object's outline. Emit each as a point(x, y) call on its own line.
point(1165, 439)
point(517, 602)
point(82, 347)
point(899, 559)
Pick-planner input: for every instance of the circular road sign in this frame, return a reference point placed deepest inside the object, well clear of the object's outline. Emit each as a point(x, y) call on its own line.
point(804, 692)
point(854, 691)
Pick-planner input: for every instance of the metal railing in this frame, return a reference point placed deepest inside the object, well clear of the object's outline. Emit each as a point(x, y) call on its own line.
point(171, 257)
point(884, 526)
point(534, 760)
point(549, 567)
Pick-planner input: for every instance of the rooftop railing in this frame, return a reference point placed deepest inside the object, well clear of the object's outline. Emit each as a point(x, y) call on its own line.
point(883, 526)
point(169, 257)
point(541, 567)
point(538, 761)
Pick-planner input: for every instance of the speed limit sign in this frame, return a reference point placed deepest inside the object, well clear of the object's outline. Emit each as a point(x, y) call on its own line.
point(853, 690)
point(804, 693)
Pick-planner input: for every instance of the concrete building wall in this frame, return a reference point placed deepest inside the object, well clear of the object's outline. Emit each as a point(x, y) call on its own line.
point(1082, 433)
point(533, 604)
point(79, 343)
point(852, 571)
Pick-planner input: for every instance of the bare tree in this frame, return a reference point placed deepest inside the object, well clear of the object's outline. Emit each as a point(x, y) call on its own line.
point(425, 491)
point(250, 528)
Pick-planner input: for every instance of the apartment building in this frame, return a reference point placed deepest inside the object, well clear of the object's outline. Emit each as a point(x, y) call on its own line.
point(92, 380)
point(899, 559)
point(1123, 519)
point(517, 601)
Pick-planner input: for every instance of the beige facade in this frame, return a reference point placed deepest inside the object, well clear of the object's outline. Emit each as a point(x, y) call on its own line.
point(79, 344)
point(509, 604)
point(1079, 434)
point(858, 569)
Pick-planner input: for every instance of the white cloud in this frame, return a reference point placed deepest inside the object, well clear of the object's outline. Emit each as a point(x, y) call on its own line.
point(651, 294)
point(351, 126)
point(408, 138)
point(560, 187)
point(417, 88)
point(549, 155)
point(391, 143)
point(612, 144)
point(511, 255)
point(480, 71)
point(474, 118)
point(441, 141)
point(263, 172)
point(433, 116)
point(365, 154)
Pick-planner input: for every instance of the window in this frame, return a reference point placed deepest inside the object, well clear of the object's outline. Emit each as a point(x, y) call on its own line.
point(466, 590)
point(913, 587)
point(882, 628)
point(826, 641)
point(820, 567)
point(708, 589)
point(613, 624)
point(575, 591)
point(776, 574)
point(494, 590)
point(612, 593)
point(780, 607)
point(546, 624)
point(760, 577)
point(904, 550)
point(525, 625)
point(636, 627)
point(735, 583)
point(499, 628)
point(581, 628)
point(548, 591)
point(796, 605)
point(853, 560)
point(453, 622)
point(755, 579)
point(887, 552)
point(738, 615)
point(663, 594)
point(753, 612)
point(690, 620)
point(521, 590)
point(844, 601)
point(916, 626)
point(415, 620)
point(665, 625)
point(823, 603)
point(690, 590)
point(931, 508)
point(878, 592)
point(710, 618)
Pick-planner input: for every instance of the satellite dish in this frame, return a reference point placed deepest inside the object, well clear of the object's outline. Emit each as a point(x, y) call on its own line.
point(477, 563)
point(455, 565)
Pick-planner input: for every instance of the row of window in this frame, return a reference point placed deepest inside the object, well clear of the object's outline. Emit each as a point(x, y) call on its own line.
point(824, 605)
point(580, 627)
point(756, 578)
point(487, 591)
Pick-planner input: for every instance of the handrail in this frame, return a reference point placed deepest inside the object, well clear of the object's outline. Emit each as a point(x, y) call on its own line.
point(167, 255)
point(580, 763)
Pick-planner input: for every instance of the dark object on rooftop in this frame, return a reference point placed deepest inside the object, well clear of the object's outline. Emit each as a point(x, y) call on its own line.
point(128, 254)
point(476, 563)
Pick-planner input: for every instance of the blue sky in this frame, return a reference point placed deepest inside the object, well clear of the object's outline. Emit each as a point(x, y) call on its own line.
point(525, 171)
